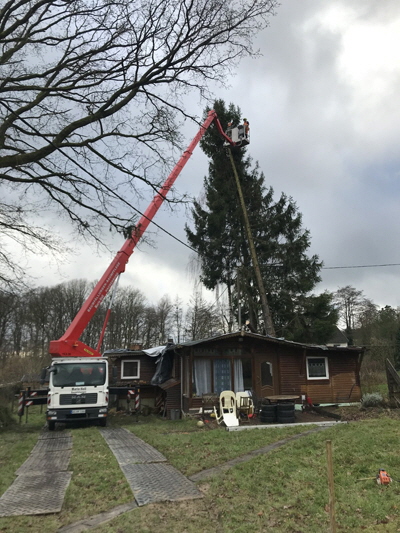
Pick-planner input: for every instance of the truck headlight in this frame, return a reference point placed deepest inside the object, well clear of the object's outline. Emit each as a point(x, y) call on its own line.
point(51, 413)
point(103, 410)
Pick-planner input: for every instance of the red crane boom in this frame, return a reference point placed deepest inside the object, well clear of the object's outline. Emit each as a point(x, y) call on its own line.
point(69, 344)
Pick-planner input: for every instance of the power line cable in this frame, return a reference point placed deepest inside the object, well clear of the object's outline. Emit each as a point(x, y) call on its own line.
point(360, 266)
point(142, 214)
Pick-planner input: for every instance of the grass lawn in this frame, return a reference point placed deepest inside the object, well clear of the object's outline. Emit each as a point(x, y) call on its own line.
point(285, 490)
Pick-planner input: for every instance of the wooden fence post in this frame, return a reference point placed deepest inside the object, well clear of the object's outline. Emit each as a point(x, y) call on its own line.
point(331, 486)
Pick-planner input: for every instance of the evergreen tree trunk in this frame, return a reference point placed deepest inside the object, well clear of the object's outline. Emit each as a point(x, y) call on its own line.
point(268, 324)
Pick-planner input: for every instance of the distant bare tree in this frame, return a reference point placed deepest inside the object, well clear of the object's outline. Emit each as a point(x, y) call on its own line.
point(177, 319)
point(164, 318)
point(349, 302)
point(126, 320)
point(7, 304)
point(90, 92)
point(202, 318)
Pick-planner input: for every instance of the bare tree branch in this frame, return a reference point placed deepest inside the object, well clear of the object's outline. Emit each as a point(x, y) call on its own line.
point(90, 92)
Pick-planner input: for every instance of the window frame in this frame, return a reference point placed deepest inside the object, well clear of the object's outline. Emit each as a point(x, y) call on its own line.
point(326, 368)
point(123, 361)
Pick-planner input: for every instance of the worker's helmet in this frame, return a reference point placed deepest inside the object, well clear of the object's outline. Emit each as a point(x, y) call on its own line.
point(245, 119)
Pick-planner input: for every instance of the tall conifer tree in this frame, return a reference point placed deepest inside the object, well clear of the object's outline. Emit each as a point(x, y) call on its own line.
point(289, 274)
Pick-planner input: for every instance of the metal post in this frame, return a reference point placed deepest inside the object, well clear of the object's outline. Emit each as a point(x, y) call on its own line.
point(331, 486)
point(21, 405)
point(27, 395)
point(269, 326)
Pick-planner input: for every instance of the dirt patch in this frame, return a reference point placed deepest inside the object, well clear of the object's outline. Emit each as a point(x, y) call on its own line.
point(311, 416)
point(356, 413)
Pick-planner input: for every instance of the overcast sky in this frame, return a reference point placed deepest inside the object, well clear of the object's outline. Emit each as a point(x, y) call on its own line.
point(323, 103)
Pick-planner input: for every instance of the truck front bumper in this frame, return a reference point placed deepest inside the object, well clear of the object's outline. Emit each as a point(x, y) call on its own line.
point(81, 413)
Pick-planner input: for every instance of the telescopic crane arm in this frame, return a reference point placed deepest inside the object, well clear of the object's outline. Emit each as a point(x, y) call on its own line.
point(69, 344)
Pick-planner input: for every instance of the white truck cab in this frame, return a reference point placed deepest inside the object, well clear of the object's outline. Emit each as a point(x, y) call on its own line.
point(78, 390)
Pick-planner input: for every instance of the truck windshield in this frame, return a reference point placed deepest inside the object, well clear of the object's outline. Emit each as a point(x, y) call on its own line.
point(79, 374)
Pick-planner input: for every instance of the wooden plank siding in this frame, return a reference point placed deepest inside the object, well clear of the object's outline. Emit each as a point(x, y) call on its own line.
point(342, 386)
point(289, 363)
point(148, 393)
point(147, 367)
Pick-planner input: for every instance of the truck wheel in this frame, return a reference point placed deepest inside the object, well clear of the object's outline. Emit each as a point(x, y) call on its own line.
point(51, 425)
point(103, 422)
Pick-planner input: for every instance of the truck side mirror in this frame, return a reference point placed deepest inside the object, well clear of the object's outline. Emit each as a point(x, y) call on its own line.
point(44, 373)
point(43, 376)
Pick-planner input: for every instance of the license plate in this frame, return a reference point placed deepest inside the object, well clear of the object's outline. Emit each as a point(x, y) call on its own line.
point(78, 411)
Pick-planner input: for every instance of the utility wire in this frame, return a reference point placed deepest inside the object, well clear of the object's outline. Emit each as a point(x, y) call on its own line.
point(142, 214)
point(361, 266)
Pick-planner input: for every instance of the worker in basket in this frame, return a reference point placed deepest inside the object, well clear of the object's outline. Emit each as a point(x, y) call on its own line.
point(246, 125)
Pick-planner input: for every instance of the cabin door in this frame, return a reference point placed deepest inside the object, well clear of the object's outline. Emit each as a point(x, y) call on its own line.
point(266, 376)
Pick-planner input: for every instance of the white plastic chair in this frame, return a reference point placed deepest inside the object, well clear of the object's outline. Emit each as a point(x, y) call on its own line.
point(227, 409)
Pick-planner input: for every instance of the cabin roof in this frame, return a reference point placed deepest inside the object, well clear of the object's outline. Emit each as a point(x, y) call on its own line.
point(269, 339)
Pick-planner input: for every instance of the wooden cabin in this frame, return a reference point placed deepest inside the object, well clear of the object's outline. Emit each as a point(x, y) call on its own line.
point(268, 366)
point(240, 361)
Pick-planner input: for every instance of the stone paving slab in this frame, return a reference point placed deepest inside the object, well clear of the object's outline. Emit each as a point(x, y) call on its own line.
point(46, 462)
point(33, 494)
point(128, 448)
point(126, 455)
point(149, 478)
point(53, 445)
point(60, 434)
point(157, 482)
point(42, 479)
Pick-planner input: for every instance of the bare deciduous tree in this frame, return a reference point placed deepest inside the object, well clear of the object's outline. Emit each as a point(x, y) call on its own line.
point(202, 319)
point(351, 304)
point(90, 93)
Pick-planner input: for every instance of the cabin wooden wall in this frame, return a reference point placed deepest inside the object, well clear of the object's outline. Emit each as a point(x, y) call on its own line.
point(342, 386)
point(148, 393)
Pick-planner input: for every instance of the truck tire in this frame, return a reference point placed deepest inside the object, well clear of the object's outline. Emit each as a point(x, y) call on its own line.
point(267, 413)
point(286, 409)
point(268, 410)
point(289, 419)
point(267, 419)
point(103, 422)
point(51, 425)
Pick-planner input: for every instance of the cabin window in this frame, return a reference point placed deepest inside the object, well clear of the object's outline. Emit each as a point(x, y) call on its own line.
point(317, 368)
point(202, 379)
point(266, 374)
point(217, 375)
point(130, 369)
point(247, 374)
point(222, 375)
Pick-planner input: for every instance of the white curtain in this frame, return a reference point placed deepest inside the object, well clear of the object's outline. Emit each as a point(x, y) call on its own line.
point(202, 376)
point(238, 385)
